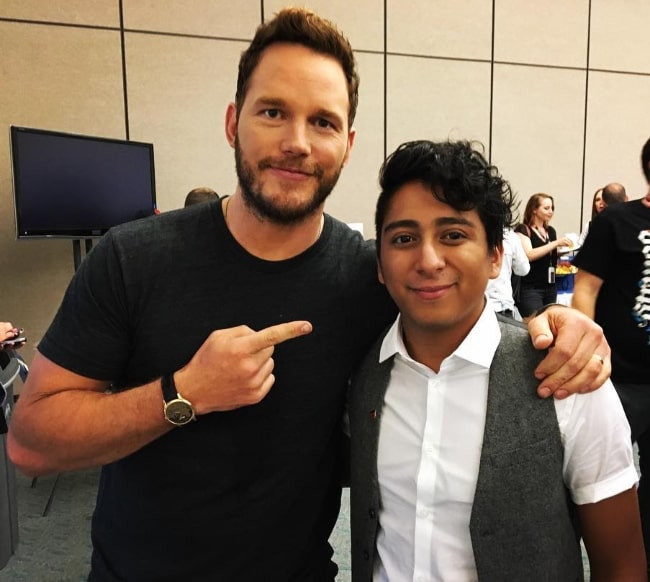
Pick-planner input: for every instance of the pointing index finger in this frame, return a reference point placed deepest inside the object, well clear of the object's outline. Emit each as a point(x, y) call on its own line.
point(276, 334)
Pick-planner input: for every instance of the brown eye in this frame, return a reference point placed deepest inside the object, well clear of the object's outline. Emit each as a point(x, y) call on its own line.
point(402, 239)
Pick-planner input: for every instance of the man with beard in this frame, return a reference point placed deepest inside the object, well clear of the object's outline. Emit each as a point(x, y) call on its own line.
point(175, 359)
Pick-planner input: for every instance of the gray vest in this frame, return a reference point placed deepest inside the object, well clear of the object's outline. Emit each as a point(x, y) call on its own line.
point(523, 524)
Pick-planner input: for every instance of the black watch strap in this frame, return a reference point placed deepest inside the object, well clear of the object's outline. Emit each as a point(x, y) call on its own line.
point(168, 387)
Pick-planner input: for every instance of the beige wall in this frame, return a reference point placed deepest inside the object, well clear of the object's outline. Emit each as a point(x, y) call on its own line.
point(557, 91)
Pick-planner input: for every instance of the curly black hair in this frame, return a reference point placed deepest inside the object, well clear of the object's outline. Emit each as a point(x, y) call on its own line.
point(457, 174)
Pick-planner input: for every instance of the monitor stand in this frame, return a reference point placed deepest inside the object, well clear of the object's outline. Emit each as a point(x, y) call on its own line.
point(76, 250)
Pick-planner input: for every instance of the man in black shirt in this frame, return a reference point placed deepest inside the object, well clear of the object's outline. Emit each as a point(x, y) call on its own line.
point(612, 286)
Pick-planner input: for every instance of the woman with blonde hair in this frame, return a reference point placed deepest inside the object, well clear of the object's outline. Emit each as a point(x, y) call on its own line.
point(540, 243)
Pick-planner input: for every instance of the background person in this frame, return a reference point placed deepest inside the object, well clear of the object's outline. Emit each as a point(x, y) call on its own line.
point(247, 315)
point(597, 206)
point(199, 195)
point(458, 471)
point(540, 243)
point(612, 286)
point(500, 290)
point(614, 193)
point(8, 331)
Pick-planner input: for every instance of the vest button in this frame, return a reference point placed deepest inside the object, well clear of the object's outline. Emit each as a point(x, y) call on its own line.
point(372, 513)
point(366, 555)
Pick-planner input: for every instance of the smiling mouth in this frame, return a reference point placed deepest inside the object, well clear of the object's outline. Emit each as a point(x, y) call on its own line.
point(291, 172)
point(290, 177)
point(430, 292)
point(292, 169)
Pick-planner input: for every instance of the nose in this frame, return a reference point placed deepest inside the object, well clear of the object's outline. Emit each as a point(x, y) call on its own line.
point(430, 258)
point(296, 139)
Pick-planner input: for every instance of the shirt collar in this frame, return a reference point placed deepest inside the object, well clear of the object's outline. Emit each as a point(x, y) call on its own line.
point(478, 347)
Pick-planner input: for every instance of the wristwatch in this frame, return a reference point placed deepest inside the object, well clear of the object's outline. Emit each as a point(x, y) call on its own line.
point(176, 409)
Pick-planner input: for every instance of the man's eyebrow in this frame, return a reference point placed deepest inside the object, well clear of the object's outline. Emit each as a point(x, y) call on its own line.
point(404, 223)
point(270, 101)
point(442, 221)
point(329, 114)
point(451, 220)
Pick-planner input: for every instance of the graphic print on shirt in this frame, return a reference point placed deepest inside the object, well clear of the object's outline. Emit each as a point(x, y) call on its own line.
point(641, 312)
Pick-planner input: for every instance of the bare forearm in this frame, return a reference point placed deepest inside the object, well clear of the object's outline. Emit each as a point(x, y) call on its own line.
point(583, 301)
point(626, 573)
point(585, 293)
point(537, 253)
point(74, 429)
point(613, 538)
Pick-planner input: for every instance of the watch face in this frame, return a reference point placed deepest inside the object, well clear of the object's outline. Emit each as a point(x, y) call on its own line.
point(179, 412)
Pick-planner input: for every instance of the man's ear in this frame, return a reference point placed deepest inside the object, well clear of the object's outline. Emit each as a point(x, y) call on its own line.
point(231, 124)
point(496, 258)
point(380, 275)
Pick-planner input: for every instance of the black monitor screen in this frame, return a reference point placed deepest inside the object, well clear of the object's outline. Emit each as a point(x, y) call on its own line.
point(75, 186)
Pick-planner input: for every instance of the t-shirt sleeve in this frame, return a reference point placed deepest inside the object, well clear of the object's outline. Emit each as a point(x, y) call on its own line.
point(598, 457)
point(597, 252)
point(90, 332)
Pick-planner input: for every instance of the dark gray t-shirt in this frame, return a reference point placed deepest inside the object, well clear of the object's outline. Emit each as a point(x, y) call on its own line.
point(250, 494)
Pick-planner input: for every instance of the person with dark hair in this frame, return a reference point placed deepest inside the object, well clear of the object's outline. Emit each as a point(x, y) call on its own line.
point(200, 195)
point(202, 357)
point(612, 286)
point(597, 206)
point(458, 472)
point(540, 244)
point(614, 193)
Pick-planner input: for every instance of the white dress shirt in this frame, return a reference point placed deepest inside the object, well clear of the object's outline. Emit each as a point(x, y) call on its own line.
point(499, 290)
point(430, 447)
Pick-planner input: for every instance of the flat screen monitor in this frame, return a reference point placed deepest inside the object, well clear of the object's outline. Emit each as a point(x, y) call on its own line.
point(78, 186)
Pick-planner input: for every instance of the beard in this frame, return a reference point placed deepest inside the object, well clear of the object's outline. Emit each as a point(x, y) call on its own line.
point(265, 207)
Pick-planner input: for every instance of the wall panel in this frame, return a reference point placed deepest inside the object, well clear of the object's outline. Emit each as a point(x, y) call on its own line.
point(432, 99)
point(553, 32)
point(179, 89)
point(81, 12)
point(443, 28)
point(194, 17)
point(619, 35)
point(538, 136)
